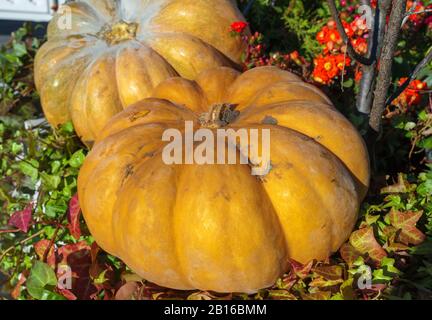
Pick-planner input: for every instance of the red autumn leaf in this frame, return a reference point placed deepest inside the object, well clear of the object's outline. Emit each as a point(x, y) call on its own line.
point(300, 270)
point(288, 281)
point(364, 241)
point(22, 219)
point(406, 223)
point(40, 249)
point(94, 250)
point(73, 216)
point(349, 254)
point(67, 294)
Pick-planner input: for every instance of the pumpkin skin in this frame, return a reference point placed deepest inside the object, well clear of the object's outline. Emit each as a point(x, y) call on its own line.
point(217, 227)
point(116, 52)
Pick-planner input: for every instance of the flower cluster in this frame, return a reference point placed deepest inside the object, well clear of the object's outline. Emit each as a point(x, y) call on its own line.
point(330, 38)
point(328, 67)
point(256, 55)
point(333, 61)
point(418, 14)
point(239, 27)
point(411, 95)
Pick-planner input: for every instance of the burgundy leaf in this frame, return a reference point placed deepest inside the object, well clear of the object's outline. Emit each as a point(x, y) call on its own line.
point(67, 294)
point(78, 258)
point(73, 216)
point(22, 219)
point(300, 270)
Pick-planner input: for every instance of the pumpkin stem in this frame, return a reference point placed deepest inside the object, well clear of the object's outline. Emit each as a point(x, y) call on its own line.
point(119, 32)
point(220, 115)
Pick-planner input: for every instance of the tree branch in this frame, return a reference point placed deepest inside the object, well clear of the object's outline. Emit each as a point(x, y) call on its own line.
point(411, 77)
point(4, 253)
point(248, 7)
point(353, 54)
point(386, 64)
point(367, 84)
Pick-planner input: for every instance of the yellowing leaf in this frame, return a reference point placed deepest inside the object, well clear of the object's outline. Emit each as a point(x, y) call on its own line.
point(329, 272)
point(349, 254)
point(364, 241)
point(406, 222)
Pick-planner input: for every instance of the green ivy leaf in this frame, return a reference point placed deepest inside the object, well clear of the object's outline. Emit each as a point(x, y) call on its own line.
point(426, 143)
point(19, 49)
point(30, 169)
point(77, 159)
point(41, 276)
point(349, 83)
point(50, 182)
point(67, 127)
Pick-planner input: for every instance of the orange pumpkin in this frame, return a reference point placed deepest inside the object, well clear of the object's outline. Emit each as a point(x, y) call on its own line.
point(103, 55)
point(218, 227)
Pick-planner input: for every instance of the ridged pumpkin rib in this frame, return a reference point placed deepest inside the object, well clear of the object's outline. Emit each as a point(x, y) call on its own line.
point(146, 112)
point(305, 172)
point(103, 8)
point(284, 91)
point(121, 159)
point(318, 122)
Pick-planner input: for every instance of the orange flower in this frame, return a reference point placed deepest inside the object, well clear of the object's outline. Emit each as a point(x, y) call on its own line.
point(360, 45)
point(329, 67)
point(322, 35)
point(411, 95)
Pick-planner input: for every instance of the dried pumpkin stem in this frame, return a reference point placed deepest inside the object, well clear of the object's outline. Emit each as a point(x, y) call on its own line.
point(220, 115)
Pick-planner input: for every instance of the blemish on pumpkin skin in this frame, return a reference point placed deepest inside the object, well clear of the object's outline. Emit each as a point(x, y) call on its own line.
point(278, 175)
point(336, 182)
point(137, 115)
point(129, 170)
point(325, 155)
point(223, 194)
point(305, 138)
point(269, 120)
